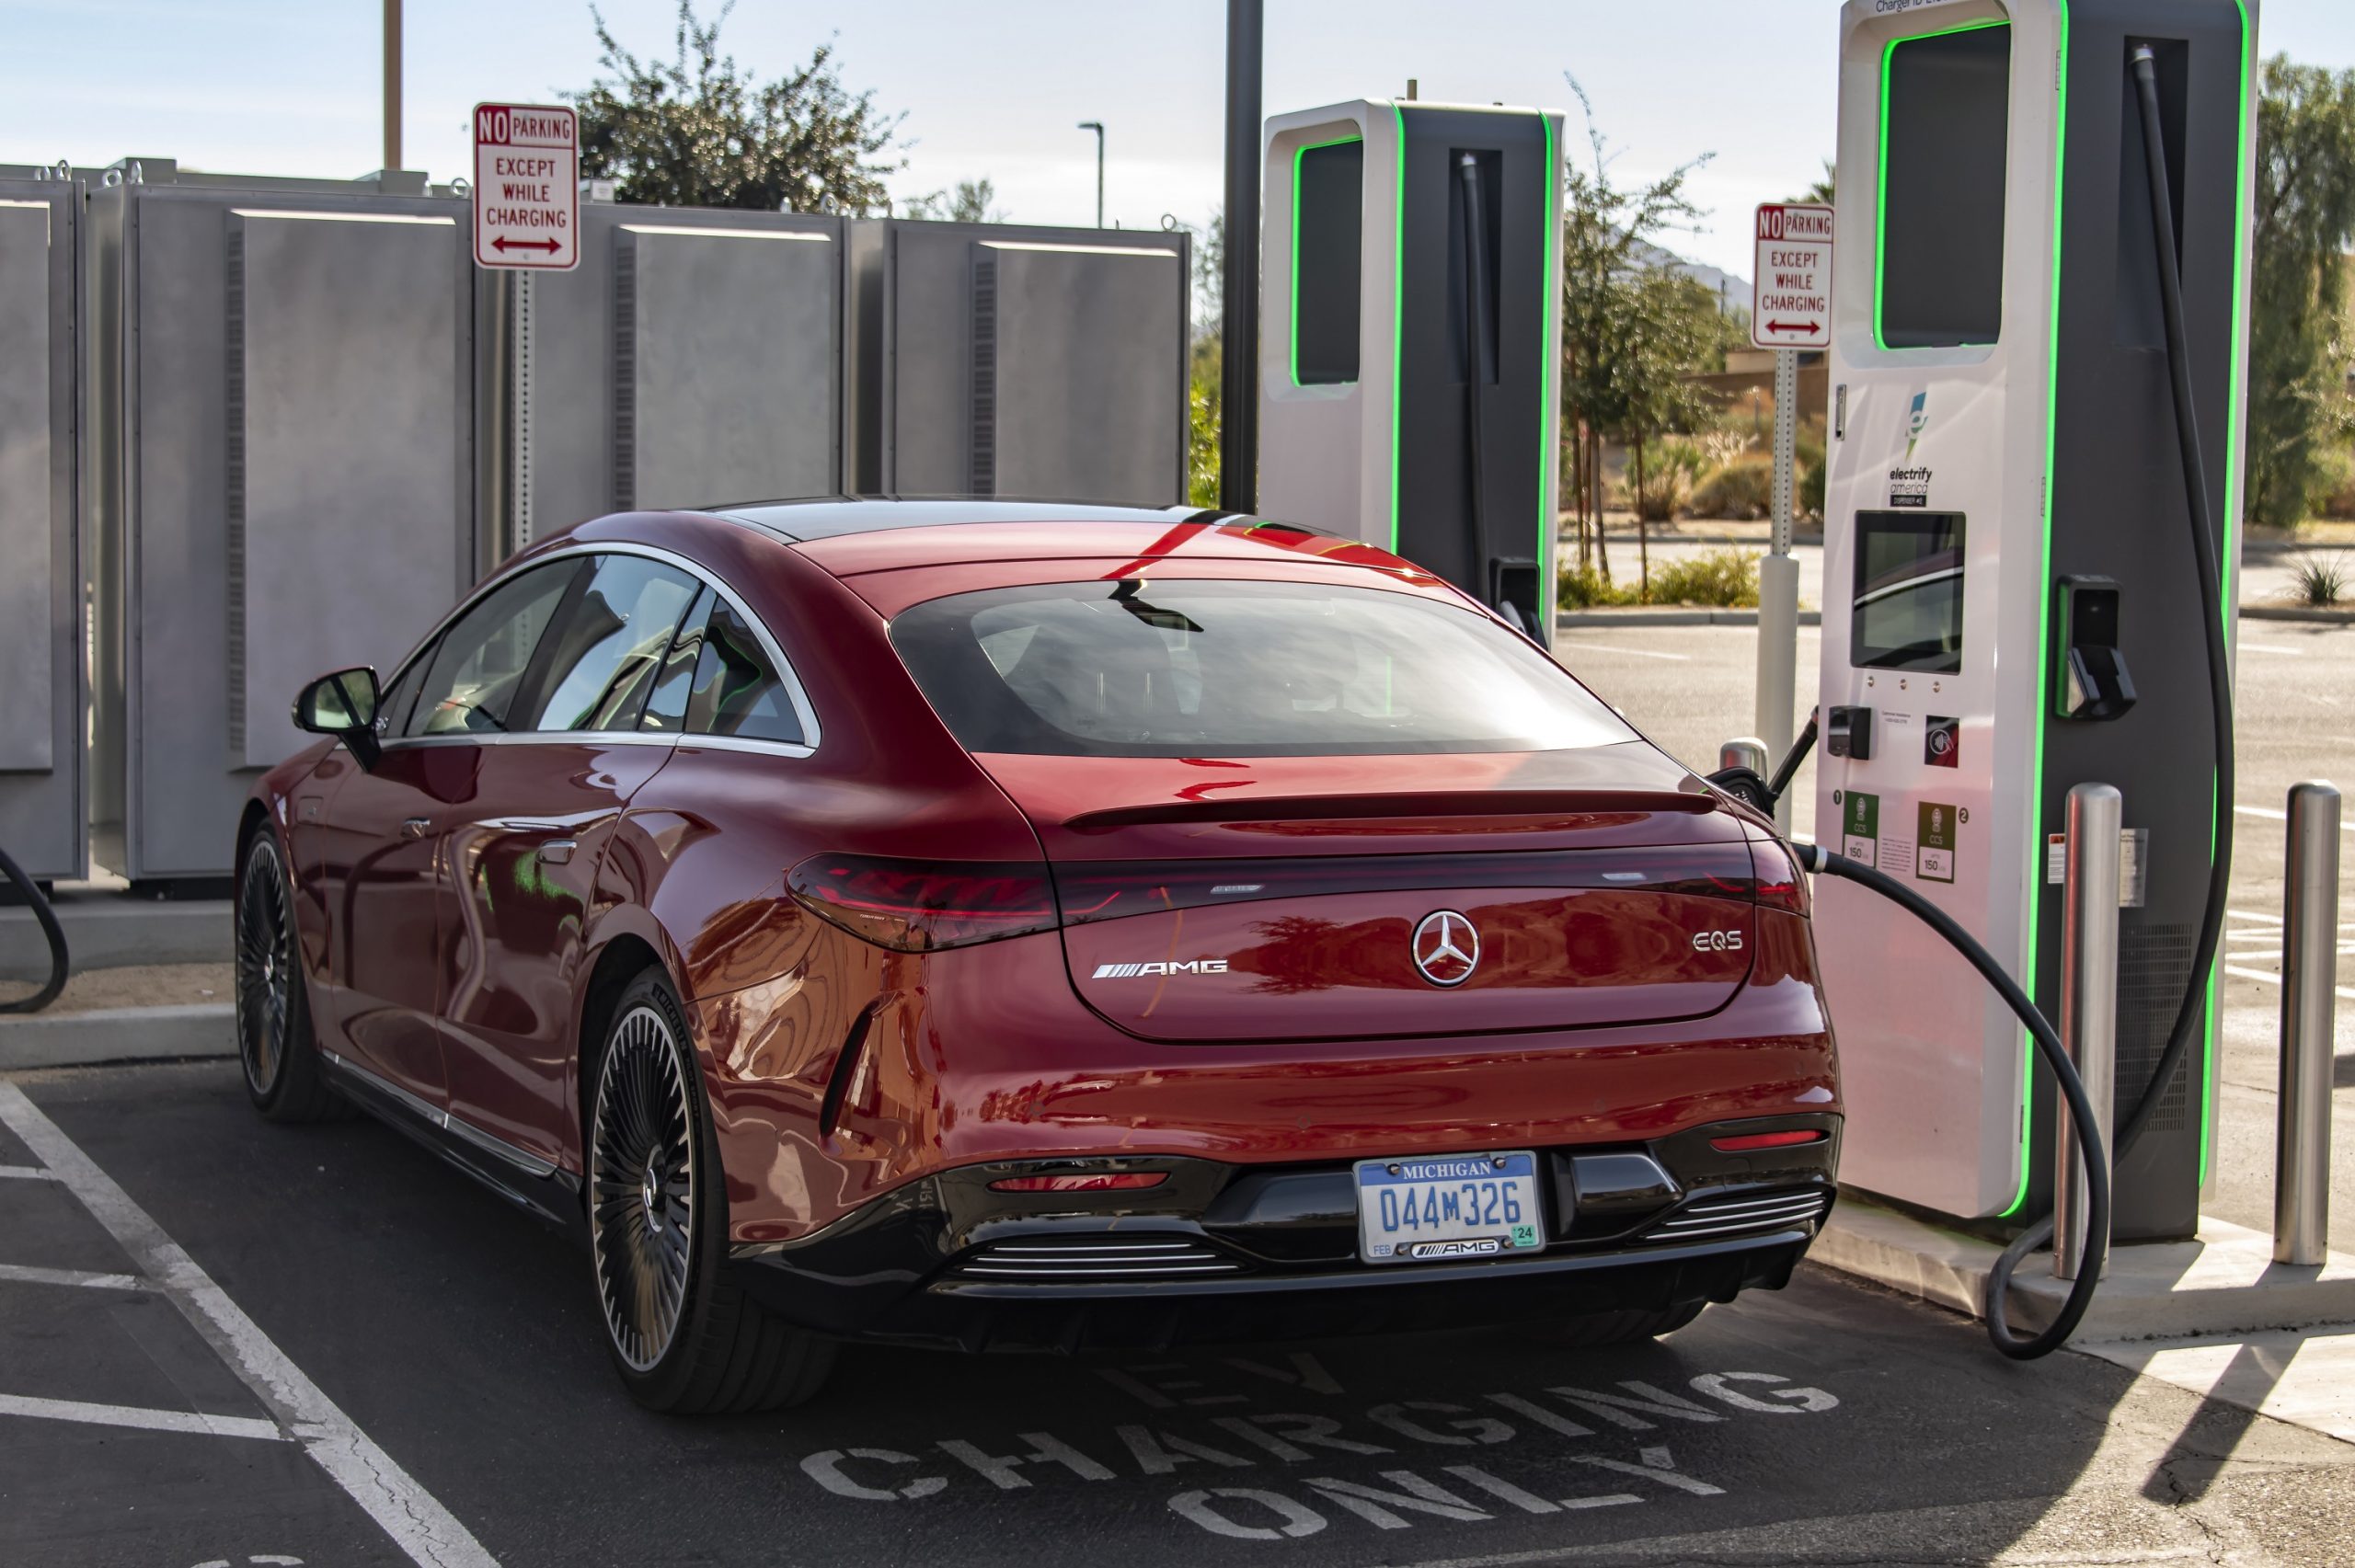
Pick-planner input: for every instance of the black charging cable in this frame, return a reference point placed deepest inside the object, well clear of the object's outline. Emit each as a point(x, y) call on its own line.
point(1823, 863)
point(30, 890)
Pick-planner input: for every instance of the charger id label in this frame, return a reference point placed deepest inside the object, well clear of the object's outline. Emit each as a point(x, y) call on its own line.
point(1937, 832)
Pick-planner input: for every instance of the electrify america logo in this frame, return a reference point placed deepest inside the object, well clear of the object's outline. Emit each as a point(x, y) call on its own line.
point(1910, 486)
point(1174, 967)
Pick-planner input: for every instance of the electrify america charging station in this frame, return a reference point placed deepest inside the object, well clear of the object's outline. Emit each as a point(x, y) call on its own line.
point(2013, 605)
point(1409, 293)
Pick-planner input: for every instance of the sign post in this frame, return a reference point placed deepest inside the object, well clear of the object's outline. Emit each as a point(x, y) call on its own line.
point(1790, 309)
point(528, 187)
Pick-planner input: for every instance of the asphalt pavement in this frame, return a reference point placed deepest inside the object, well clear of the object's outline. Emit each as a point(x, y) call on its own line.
point(448, 1342)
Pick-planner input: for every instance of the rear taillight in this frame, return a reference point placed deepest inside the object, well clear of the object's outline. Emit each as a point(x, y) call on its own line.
point(1744, 1143)
point(1099, 1181)
point(1777, 880)
point(921, 905)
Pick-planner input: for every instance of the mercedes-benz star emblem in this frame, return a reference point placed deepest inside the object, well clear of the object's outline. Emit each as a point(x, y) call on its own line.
point(1447, 948)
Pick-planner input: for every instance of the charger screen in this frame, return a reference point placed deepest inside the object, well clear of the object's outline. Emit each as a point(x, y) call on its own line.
point(1907, 603)
point(1946, 101)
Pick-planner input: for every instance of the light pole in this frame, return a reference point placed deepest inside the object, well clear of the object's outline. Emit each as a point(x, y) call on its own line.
point(1098, 126)
point(1238, 439)
point(392, 84)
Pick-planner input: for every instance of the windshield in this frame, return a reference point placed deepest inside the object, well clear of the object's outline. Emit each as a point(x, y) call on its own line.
point(1168, 667)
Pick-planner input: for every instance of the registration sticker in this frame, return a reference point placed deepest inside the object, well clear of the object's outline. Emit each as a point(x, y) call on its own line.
point(1440, 1208)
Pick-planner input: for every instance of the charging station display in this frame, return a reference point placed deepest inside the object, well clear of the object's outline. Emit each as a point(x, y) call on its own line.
point(1944, 105)
point(1908, 596)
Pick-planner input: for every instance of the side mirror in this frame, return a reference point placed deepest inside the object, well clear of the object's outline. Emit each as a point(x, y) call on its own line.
point(342, 705)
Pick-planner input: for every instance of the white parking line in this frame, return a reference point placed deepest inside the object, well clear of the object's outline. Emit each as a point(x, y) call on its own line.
point(24, 1273)
point(2270, 647)
point(25, 1172)
point(1584, 647)
point(2346, 825)
point(2247, 974)
point(145, 1420)
point(429, 1533)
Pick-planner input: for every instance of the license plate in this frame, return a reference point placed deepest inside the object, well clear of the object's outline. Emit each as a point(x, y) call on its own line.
point(1443, 1207)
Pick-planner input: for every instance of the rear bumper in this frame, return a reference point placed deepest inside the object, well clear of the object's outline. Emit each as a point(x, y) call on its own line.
point(1224, 1251)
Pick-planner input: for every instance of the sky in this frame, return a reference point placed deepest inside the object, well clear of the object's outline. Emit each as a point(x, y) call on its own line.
point(996, 91)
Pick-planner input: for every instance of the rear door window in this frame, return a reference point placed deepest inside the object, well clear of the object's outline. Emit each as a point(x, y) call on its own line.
point(609, 644)
point(1201, 668)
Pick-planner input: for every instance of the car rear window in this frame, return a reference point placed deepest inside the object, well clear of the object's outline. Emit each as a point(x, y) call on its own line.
point(1171, 668)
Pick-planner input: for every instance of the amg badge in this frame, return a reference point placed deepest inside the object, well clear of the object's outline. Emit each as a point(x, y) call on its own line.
point(1175, 966)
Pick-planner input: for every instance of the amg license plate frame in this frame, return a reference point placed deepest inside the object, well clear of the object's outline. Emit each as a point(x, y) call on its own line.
point(1449, 1208)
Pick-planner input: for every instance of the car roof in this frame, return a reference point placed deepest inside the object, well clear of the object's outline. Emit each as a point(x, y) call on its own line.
point(831, 517)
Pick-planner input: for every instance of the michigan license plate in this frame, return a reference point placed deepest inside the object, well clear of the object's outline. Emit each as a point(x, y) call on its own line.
point(1438, 1208)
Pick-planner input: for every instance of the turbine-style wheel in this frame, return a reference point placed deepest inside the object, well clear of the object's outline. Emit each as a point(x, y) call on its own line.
point(274, 1042)
point(685, 1338)
point(642, 1186)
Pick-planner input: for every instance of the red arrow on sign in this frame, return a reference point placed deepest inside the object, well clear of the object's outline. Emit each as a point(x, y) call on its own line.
point(503, 243)
point(1793, 326)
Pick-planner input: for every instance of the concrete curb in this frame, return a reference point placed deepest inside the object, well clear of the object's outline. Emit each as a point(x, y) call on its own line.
point(1670, 615)
point(2225, 1282)
point(117, 1034)
point(115, 931)
point(2315, 616)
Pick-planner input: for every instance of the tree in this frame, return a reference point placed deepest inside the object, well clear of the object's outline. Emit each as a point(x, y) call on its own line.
point(1632, 328)
point(2298, 355)
point(969, 203)
point(700, 130)
point(1823, 191)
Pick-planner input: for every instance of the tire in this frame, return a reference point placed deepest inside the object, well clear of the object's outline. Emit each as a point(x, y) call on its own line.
point(275, 1046)
point(685, 1338)
point(1614, 1328)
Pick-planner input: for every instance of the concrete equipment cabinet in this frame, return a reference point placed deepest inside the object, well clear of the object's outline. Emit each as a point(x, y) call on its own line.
point(693, 357)
point(994, 359)
point(42, 701)
point(1384, 413)
point(282, 477)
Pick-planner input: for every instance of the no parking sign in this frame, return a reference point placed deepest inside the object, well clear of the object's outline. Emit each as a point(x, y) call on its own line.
point(527, 186)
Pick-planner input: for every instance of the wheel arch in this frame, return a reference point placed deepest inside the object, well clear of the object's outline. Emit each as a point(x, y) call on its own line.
point(618, 961)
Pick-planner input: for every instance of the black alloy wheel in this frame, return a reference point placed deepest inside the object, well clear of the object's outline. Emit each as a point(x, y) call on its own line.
point(642, 1186)
point(281, 1059)
point(685, 1336)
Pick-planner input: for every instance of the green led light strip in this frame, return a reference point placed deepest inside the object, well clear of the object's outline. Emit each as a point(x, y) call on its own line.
point(1299, 154)
point(1880, 192)
point(2035, 882)
point(1549, 375)
point(1397, 305)
point(2235, 422)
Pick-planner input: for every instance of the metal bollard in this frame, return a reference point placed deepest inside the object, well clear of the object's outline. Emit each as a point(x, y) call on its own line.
point(2088, 1007)
point(2309, 1000)
point(1745, 752)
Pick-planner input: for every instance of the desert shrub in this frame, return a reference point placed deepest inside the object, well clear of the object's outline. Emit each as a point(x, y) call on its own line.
point(2321, 581)
point(1719, 579)
point(1741, 490)
point(1582, 588)
point(1672, 466)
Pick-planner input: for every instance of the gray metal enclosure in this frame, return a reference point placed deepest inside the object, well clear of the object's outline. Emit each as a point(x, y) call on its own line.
point(994, 359)
point(693, 357)
point(41, 694)
point(282, 374)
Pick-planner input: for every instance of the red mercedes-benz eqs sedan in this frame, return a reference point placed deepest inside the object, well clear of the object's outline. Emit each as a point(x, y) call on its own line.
point(1036, 926)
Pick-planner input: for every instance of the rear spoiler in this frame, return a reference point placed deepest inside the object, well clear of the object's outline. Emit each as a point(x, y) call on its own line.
point(1590, 807)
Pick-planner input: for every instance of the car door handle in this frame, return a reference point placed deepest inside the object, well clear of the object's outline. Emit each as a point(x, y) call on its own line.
point(415, 827)
point(556, 852)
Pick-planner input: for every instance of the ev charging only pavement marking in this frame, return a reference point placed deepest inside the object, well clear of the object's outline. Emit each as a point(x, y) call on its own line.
point(426, 1532)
